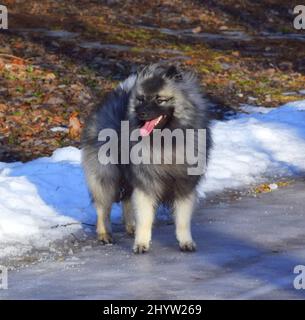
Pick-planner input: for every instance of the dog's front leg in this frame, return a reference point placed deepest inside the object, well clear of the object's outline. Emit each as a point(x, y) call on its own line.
point(183, 209)
point(128, 216)
point(144, 206)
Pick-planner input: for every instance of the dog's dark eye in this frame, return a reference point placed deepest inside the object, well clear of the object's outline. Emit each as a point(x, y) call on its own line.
point(140, 98)
point(162, 100)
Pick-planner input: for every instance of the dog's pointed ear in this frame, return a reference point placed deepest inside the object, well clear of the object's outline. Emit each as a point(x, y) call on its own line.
point(142, 71)
point(173, 72)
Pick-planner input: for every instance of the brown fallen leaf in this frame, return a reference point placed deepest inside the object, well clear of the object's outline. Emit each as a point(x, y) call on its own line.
point(74, 126)
point(190, 62)
point(50, 76)
point(18, 61)
point(3, 107)
point(263, 188)
point(197, 29)
point(284, 183)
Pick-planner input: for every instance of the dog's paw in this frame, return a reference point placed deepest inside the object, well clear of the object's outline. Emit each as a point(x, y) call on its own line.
point(130, 229)
point(139, 248)
point(188, 246)
point(105, 238)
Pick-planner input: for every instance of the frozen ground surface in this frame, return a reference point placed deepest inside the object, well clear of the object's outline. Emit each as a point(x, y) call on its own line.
point(46, 200)
point(247, 249)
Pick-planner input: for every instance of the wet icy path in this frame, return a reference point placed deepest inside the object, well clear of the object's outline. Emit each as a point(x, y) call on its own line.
point(246, 249)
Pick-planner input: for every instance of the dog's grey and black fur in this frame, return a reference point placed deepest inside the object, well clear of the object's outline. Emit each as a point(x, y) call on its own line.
point(156, 90)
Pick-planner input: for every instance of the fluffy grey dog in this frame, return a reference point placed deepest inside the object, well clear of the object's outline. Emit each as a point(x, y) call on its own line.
point(158, 97)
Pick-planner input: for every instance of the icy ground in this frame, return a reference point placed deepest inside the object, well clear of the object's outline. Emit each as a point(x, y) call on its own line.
point(47, 199)
point(247, 249)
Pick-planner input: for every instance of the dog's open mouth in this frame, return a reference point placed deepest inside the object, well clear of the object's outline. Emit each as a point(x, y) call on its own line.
point(150, 125)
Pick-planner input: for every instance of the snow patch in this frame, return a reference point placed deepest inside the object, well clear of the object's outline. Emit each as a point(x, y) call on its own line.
point(47, 199)
point(247, 108)
point(250, 147)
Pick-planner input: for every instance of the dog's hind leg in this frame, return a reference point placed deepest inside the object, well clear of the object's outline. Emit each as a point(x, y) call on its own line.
point(128, 216)
point(103, 196)
point(103, 226)
point(183, 209)
point(144, 206)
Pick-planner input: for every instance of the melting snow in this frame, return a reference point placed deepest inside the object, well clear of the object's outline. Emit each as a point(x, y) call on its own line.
point(37, 196)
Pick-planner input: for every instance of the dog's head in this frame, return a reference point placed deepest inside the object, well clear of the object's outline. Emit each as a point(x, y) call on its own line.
point(159, 95)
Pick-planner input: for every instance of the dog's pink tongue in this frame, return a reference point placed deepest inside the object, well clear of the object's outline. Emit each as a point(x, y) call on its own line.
point(148, 127)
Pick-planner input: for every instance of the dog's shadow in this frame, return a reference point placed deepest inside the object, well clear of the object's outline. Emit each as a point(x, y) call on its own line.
point(61, 186)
